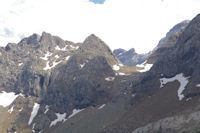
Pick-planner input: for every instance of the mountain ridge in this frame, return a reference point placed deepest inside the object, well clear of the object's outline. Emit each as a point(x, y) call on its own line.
point(132, 58)
point(59, 75)
point(61, 86)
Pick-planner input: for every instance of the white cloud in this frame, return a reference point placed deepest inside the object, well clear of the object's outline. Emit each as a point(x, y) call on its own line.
point(138, 24)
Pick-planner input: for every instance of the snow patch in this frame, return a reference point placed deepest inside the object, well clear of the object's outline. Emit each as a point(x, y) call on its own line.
point(183, 83)
point(46, 109)
point(198, 85)
point(56, 56)
point(48, 67)
point(48, 54)
point(21, 95)
point(121, 65)
point(110, 78)
point(188, 99)
point(82, 65)
point(123, 74)
point(20, 109)
point(116, 67)
point(60, 118)
point(6, 98)
point(61, 49)
point(75, 111)
point(20, 64)
point(67, 58)
point(102, 106)
point(11, 110)
point(133, 95)
point(34, 112)
point(33, 128)
point(55, 64)
point(146, 67)
point(74, 47)
point(120, 54)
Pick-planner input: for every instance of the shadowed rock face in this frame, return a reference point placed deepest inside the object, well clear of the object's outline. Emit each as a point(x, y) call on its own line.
point(24, 67)
point(155, 108)
point(131, 58)
point(175, 30)
point(58, 73)
point(167, 59)
point(164, 46)
point(184, 56)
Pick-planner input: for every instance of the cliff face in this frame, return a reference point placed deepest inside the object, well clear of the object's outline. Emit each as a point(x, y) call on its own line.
point(57, 74)
point(166, 98)
point(51, 85)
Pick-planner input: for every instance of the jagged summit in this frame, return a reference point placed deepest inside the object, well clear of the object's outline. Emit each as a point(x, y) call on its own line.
point(130, 57)
point(166, 98)
point(57, 86)
point(94, 41)
point(49, 73)
point(119, 51)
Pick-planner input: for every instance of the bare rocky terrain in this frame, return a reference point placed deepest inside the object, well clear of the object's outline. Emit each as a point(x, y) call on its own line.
point(49, 85)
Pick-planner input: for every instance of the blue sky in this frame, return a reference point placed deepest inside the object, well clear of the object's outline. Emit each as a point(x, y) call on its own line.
point(98, 1)
point(138, 24)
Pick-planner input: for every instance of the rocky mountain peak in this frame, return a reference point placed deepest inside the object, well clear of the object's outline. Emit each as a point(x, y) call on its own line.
point(130, 57)
point(61, 86)
point(181, 57)
point(96, 46)
point(170, 89)
point(95, 42)
point(31, 40)
point(92, 37)
point(131, 51)
point(191, 31)
point(119, 51)
point(178, 28)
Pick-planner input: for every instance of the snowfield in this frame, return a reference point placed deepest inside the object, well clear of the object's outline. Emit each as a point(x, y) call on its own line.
point(46, 109)
point(123, 74)
point(11, 110)
point(198, 85)
point(181, 79)
point(146, 67)
point(75, 111)
point(60, 118)
point(6, 98)
point(48, 67)
point(102, 106)
point(48, 54)
point(116, 67)
point(82, 65)
point(67, 58)
point(110, 78)
point(61, 49)
point(34, 113)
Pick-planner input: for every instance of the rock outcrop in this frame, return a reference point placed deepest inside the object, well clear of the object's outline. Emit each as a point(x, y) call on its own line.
point(58, 74)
